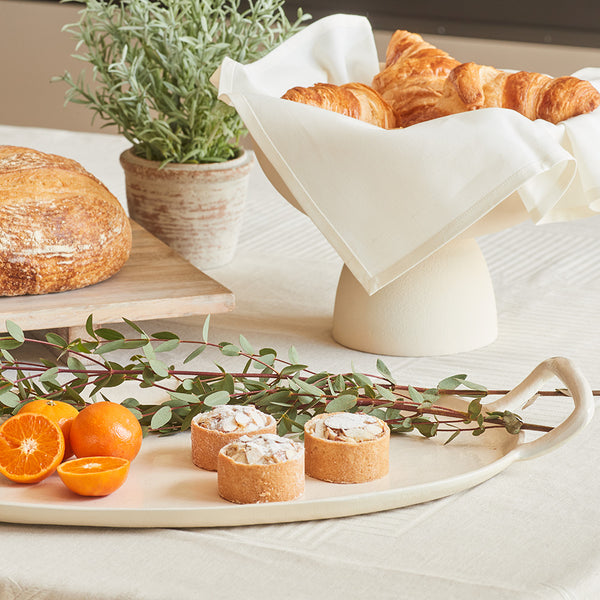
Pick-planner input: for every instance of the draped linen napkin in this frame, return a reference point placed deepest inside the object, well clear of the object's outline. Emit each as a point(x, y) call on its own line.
point(388, 199)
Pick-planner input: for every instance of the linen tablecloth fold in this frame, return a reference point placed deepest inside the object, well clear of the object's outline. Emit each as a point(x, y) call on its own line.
point(387, 199)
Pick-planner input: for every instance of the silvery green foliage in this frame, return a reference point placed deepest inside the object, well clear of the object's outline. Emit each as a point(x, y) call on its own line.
point(151, 67)
point(282, 387)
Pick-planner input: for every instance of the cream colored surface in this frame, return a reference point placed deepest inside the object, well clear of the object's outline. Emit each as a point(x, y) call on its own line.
point(530, 533)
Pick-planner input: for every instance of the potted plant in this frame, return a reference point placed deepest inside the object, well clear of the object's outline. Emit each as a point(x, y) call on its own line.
point(186, 172)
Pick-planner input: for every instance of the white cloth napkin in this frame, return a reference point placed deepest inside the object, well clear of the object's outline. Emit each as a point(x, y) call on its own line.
point(386, 200)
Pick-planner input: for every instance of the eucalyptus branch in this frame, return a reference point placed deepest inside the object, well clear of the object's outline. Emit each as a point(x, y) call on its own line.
point(282, 387)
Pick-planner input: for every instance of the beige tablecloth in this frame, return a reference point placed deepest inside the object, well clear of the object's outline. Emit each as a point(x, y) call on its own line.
point(529, 533)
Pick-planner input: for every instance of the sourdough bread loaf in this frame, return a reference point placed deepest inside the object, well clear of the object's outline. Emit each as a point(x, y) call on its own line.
point(60, 228)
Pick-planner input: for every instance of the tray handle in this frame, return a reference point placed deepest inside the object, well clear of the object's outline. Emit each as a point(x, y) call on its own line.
point(579, 389)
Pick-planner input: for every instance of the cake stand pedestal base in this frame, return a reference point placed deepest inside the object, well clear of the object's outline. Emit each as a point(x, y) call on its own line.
point(444, 305)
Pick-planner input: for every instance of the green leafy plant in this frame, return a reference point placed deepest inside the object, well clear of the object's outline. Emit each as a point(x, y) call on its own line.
point(284, 388)
point(152, 62)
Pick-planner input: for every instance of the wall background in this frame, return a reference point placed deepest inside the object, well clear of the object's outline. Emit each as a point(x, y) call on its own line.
point(33, 50)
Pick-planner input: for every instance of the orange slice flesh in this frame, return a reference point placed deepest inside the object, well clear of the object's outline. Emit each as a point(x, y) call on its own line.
point(94, 475)
point(31, 447)
point(60, 412)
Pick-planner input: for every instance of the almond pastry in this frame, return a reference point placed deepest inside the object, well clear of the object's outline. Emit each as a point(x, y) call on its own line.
point(346, 447)
point(261, 468)
point(218, 427)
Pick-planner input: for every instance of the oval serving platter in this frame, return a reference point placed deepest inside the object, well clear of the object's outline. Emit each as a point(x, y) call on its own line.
point(165, 489)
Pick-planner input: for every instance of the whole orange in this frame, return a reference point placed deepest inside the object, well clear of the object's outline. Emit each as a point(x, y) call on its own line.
point(60, 412)
point(106, 429)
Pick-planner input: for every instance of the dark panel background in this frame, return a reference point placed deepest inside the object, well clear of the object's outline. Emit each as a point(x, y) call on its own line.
point(575, 23)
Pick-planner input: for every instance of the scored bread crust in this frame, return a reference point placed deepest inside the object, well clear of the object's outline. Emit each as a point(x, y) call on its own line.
point(60, 227)
point(338, 461)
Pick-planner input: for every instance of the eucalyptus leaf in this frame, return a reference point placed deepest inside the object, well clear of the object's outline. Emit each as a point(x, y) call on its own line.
point(54, 338)
point(362, 380)
point(415, 395)
point(293, 355)
point(184, 397)
point(49, 375)
point(451, 383)
point(9, 344)
point(110, 346)
point(89, 327)
point(205, 328)
point(15, 331)
point(159, 367)
point(292, 369)
point(245, 345)
point(308, 388)
point(9, 399)
point(384, 370)
point(230, 350)
point(109, 334)
point(161, 417)
point(167, 346)
point(341, 403)
point(216, 398)
point(196, 352)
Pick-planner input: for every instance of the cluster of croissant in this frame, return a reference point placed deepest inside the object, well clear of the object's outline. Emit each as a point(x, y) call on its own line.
point(421, 82)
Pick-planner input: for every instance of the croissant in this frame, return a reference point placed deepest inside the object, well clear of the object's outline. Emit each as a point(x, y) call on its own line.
point(470, 86)
point(355, 100)
point(413, 78)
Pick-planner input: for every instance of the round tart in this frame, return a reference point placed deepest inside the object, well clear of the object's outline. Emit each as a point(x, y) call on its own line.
point(261, 468)
point(346, 447)
point(218, 427)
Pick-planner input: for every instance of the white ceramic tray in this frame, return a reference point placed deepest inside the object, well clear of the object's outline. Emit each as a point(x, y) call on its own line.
point(164, 489)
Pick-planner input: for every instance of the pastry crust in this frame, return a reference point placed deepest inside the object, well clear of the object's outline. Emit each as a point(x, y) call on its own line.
point(345, 460)
point(413, 78)
point(421, 82)
point(355, 100)
point(243, 483)
point(60, 228)
point(208, 441)
point(470, 86)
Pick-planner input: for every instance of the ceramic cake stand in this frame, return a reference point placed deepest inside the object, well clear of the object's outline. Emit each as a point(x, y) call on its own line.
point(443, 305)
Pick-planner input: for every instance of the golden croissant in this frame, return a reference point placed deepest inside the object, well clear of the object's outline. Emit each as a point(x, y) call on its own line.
point(421, 82)
point(470, 86)
point(355, 100)
point(413, 78)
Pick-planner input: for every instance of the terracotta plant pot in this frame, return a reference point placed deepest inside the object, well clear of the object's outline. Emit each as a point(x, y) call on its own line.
point(194, 208)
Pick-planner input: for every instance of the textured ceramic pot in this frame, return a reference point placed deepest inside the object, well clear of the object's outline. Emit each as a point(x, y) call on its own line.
point(196, 209)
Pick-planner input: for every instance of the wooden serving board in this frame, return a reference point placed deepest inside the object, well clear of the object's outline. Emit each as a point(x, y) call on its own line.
point(154, 283)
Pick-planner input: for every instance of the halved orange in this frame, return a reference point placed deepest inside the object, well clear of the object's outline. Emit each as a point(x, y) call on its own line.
point(60, 412)
point(94, 475)
point(31, 447)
